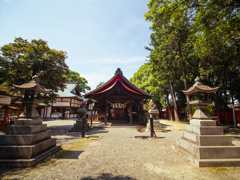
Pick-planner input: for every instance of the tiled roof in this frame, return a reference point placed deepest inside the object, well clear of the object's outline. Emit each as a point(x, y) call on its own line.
point(68, 91)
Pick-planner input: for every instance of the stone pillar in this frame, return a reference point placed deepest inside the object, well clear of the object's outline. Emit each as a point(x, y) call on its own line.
point(77, 127)
point(156, 124)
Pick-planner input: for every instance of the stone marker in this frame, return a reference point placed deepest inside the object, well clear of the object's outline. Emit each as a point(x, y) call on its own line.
point(154, 114)
point(27, 141)
point(203, 141)
point(78, 126)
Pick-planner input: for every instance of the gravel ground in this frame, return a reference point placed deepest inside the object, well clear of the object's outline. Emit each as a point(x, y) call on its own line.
point(117, 155)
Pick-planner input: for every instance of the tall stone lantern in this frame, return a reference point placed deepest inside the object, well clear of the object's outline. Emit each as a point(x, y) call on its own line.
point(203, 141)
point(27, 141)
point(200, 103)
point(31, 98)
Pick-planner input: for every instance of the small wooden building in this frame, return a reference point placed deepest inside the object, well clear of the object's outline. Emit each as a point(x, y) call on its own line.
point(65, 105)
point(119, 99)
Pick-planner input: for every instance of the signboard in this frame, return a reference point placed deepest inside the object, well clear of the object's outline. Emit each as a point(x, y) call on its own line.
point(5, 100)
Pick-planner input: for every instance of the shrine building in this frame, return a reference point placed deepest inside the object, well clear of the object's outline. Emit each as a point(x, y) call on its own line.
point(120, 100)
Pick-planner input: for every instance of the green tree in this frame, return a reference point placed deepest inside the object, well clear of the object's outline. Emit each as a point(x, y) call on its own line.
point(145, 80)
point(21, 60)
point(197, 37)
point(171, 25)
point(81, 81)
point(100, 84)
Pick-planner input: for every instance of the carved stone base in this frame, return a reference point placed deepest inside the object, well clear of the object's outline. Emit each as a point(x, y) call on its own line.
point(207, 146)
point(157, 126)
point(77, 127)
point(26, 143)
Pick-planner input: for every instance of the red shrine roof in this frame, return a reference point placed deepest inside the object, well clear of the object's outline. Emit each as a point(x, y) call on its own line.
point(116, 79)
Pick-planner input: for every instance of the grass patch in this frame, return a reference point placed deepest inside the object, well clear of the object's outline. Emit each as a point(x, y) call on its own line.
point(79, 144)
point(218, 169)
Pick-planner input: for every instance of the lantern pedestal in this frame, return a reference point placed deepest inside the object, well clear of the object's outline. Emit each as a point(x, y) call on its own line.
point(27, 141)
point(156, 124)
point(207, 146)
point(203, 141)
point(77, 127)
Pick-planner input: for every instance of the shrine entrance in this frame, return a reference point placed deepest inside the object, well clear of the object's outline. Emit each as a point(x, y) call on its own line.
point(118, 99)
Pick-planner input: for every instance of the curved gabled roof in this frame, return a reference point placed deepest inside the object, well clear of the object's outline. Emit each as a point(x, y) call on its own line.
point(118, 77)
point(33, 85)
point(199, 87)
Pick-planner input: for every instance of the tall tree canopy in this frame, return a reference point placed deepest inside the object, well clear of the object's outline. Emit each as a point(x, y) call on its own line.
point(196, 37)
point(144, 80)
point(81, 81)
point(21, 60)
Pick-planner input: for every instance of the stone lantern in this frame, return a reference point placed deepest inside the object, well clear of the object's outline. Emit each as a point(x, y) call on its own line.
point(31, 98)
point(81, 124)
point(203, 141)
point(27, 141)
point(153, 124)
point(200, 91)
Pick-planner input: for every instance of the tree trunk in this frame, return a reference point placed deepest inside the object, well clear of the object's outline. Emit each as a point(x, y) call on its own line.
point(174, 101)
point(170, 112)
point(185, 81)
point(225, 105)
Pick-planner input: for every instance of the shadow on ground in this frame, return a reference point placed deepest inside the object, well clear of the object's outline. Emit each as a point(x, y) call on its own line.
point(65, 154)
point(109, 176)
point(64, 130)
point(232, 131)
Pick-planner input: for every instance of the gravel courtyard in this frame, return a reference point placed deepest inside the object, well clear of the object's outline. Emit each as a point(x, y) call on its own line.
point(117, 155)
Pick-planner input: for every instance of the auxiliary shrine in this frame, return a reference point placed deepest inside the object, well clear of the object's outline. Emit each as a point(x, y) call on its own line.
point(120, 100)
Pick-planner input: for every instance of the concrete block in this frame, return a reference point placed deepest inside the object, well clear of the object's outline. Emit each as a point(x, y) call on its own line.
point(208, 152)
point(209, 162)
point(189, 128)
point(196, 122)
point(219, 152)
point(26, 151)
point(26, 129)
point(28, 162)
point(188, 146)
point(44, 127)
point(218, 162)
point(24, 139)
point(43, 146)
point(215, 140)
point(207, 130)
point(208, 140)
point(28, 122)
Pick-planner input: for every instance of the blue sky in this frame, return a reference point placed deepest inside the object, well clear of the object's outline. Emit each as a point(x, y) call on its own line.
point(98, 35)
